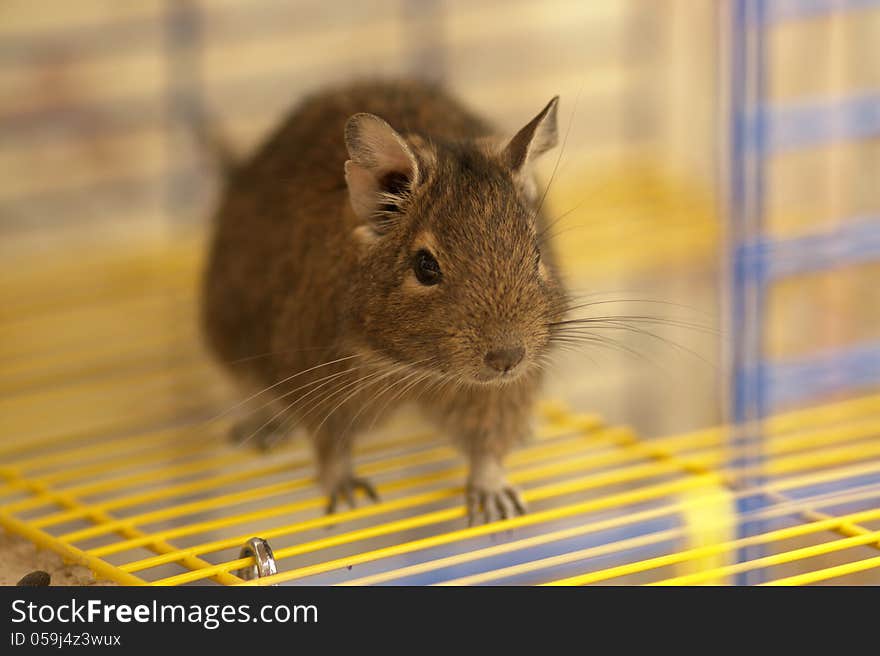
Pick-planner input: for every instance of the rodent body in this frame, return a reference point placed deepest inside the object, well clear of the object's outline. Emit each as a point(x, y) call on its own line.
point(386, 245)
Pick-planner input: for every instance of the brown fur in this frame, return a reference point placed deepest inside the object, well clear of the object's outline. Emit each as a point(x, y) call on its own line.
point(296, 278)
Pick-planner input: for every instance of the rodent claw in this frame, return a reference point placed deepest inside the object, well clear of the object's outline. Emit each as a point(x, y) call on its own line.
point(348, 494)
point(346, 489)
point(367, 487)
point(472, 507)
point(502, 505)
point(518, 502)
point(505, 503)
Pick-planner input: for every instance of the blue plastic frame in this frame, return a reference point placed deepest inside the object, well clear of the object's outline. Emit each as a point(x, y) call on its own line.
point(758, 130)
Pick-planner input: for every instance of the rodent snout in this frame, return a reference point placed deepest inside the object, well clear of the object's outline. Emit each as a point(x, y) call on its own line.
point(505, 360)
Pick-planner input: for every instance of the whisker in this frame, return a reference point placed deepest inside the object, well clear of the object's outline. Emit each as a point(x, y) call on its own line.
point(274, 385)
point(402, 367)
point(328, 379)
point(610, 325)
point(382, 373)
point(559, 157)
point(373, 376)
point(388, 401)
point(269, 354)
point(652, 301)
point(663, 321)
point(371, 401)
point(315, 388)
point(405, 388)
point(610, 343)
point(559, 218)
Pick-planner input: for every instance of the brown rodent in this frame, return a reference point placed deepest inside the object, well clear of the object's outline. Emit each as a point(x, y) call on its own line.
point(359, 262)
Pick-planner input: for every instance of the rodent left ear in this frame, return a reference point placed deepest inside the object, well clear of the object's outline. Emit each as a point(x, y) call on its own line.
point(536, 138)
point(382, 170)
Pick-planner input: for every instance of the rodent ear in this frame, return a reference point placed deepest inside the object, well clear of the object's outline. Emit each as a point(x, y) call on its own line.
point(536, 138)
point(382, 170)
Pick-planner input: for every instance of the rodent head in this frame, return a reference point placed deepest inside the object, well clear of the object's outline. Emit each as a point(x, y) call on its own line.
point(451, 276)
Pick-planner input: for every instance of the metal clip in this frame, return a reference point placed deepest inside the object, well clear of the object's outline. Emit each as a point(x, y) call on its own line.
point(264, 564)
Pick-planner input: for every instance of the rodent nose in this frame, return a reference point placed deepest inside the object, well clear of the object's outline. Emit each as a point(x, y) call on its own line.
point(503, 360)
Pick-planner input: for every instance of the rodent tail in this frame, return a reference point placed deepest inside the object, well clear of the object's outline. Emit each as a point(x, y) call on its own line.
point(212, 144)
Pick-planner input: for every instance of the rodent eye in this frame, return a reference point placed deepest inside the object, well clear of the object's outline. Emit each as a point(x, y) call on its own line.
point(426, 268)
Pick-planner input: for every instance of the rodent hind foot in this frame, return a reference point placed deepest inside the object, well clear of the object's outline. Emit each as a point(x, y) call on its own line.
point(499, 503)
point(345, 490)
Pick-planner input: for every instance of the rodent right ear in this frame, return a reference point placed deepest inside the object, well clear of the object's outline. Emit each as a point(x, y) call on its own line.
point(382, 170)
point(535, 139)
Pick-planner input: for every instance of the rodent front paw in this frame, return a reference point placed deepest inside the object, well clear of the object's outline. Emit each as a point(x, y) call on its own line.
point(495, 502)
point(345, 489)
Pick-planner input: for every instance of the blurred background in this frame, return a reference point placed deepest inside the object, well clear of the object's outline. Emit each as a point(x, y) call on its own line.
point(719, 177)
point(98, 98)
